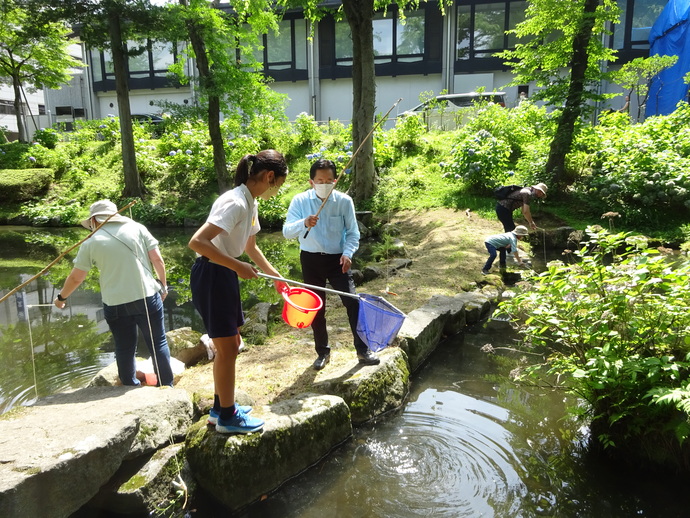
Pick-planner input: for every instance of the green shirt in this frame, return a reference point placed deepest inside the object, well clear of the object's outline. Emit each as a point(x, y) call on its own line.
point(120, 252)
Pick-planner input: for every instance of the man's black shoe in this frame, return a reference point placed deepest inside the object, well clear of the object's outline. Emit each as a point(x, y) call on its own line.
point(368, 358)
point(321, 361)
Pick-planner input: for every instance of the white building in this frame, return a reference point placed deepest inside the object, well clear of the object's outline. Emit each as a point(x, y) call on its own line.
point(429, 53)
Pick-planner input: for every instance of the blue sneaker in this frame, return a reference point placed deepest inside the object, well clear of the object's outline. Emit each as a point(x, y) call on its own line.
point(239, 423)
point(213, 414)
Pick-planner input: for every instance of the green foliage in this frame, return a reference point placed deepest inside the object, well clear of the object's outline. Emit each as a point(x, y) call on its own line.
point(272, 212)
point(308, 132)
point(34, 53)
point(545, 48)
point(500, 145)
point(636, 76)
point(24, 184)
point(640, 170)
point(47, 137)
point(57, 212)
point(13, 155)
point(479, 160)
point(614, 328)
point(183, 160)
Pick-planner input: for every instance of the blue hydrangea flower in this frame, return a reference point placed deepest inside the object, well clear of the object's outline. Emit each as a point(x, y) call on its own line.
point(172, 153)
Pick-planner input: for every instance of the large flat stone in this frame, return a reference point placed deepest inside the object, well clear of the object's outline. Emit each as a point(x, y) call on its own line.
point(240, 469)
point(420, 334)
point(53, 459)
point(370, 390)
point(56, 454)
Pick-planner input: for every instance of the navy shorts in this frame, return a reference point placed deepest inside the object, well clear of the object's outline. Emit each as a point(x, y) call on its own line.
point(216, 296)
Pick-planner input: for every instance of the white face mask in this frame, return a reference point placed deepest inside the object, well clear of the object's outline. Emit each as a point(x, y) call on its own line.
point(323, 190)
point(271, 191)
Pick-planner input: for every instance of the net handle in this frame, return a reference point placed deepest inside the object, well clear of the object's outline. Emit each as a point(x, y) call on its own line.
point(318, 288)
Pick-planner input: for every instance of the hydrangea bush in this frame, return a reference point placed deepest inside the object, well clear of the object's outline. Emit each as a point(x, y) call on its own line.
point(642, 170)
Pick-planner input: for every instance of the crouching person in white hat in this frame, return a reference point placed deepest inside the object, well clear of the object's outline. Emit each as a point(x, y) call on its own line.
point(125, 254)
point(501, 243)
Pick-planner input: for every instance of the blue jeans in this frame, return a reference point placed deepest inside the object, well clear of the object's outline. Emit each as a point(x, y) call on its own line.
point(124, 320)
point(492, 256)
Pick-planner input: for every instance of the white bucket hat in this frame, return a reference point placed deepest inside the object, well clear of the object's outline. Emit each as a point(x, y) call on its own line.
point(101, 210)
point(541, 187)
point(520, 230)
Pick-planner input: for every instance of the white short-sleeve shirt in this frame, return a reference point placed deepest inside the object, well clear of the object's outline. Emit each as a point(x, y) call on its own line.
point(236, 213)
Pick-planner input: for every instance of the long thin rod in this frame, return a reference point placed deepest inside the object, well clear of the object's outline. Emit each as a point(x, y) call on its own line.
point(351, 295)
point(63, 254)
point(345, 294)
point(352, 158)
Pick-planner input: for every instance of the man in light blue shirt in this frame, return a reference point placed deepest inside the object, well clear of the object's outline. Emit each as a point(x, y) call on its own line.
point(326, 251)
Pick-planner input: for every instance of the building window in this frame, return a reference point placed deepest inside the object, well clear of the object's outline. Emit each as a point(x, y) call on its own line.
point(63, 110)
point(147, 66)
point(41, 109)
point(284, 56)
point(138, 61)
point(7, 108)
point(637, 18)
point(401, 46)
point(395, 40)
point(481, 28)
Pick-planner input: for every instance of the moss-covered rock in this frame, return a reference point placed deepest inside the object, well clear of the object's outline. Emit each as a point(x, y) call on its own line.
point(160, 484)
point(240, 469)
point(372, 391)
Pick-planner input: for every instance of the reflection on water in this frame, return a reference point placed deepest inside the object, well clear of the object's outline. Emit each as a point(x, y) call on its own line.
point(45, 350)
point(465, 446)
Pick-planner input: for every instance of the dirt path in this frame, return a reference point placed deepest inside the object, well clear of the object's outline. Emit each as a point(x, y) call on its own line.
point(447, 252)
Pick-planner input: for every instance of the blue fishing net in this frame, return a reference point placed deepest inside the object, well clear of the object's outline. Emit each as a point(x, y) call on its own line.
point(378, 321)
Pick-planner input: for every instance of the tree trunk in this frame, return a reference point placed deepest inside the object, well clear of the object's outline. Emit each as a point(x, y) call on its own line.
point(21, 130)
point(359, 15)
point(563, 139)
point(134, 188)
point(207, 84)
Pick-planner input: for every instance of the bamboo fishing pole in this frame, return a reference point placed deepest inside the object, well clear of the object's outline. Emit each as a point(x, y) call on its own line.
point(63, 254)
point(352, 158)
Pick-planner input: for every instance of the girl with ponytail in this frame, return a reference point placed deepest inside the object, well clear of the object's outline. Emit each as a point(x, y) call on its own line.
point(229, 231)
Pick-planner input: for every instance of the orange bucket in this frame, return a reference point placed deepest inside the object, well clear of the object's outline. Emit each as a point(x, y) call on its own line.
point(301, 306)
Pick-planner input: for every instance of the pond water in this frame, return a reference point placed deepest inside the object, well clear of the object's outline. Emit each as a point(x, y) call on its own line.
point(45, 350)
point(468, 443)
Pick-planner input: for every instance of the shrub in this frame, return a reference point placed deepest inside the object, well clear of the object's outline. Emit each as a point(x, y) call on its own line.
point(613, 327)
point(642, 170)
point(24, 184)
point(53, 212)
point(308, 132)
point(12, 155)
point(47, 138)
point(480, 161)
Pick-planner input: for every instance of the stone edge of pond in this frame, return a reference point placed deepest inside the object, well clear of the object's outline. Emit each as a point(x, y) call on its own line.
point(151, 469)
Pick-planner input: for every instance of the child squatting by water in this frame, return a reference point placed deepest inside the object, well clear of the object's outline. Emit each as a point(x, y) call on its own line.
point(501, 243)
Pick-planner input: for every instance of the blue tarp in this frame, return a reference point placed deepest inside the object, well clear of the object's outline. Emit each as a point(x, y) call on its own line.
point(670, 36)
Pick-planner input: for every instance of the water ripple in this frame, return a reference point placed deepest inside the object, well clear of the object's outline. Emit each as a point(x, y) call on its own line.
point(442, 458)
